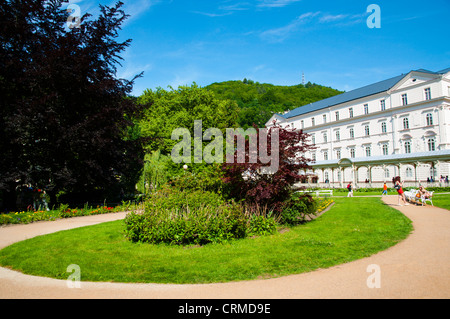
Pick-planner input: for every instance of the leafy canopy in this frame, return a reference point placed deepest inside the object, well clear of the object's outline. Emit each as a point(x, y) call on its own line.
point(64, 116)
point(179, 108)
point(259, 101)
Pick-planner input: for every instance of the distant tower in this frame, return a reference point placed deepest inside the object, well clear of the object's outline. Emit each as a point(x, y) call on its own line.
point(303, 78)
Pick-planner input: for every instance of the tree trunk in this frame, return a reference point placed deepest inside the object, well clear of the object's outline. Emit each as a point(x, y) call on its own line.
point(53, 201)
point(10, 198)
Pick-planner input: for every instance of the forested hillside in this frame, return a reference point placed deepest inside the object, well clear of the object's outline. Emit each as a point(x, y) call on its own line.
point(259, 101)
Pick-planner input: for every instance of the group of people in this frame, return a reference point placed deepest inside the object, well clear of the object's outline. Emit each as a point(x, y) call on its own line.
point(33, 198)
point(398, 185)
point(401, 194)
point(441, 180)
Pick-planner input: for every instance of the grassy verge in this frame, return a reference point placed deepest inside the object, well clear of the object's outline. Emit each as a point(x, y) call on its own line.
point(441, 200)
point(352, 229)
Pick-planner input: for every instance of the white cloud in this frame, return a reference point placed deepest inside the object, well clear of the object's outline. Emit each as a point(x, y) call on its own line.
point(136, 8)
point(332, 18)
point(311, 19)
point(131, 70)
point(275, 3)
point(225, 10)
point(280, 34)
point(213, 15)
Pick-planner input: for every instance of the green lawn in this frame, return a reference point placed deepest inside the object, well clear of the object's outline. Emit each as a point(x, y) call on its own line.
point(442, 200)
point(352, 229)
point(362, 193)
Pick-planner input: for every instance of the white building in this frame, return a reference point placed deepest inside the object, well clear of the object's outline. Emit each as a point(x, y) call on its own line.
point(397, 127)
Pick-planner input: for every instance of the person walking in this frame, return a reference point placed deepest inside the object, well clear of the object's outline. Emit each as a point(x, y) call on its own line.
point(401, 195)
point(350, 189)
point(384, 189)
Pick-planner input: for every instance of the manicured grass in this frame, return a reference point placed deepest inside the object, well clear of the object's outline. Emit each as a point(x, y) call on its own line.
point(363, 193)
point(442, 200)
point(351, 229)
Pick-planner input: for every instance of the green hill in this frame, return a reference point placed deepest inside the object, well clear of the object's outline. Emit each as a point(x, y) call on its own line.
point(259, 101)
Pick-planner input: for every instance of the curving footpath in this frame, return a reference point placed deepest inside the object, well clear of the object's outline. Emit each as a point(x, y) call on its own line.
point(418, 267)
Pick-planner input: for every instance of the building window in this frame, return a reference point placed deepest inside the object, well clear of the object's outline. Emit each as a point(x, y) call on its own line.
point(383, 127)
point(409, 172)
point(313, 121)
point(325, 138)
point(368, 151)
point(325, 156)
point(367, 130)
point(406, 123)
point(352, 133)
point(337, 115)
point(407, 147)
point(338, 154)
point(383, 105)
point(338, 136)
point(352, 153)
point(324, 118)
point(386, 173)
point(366, 108)
point(427, 94)
point(350, 111)
point(385, 149)
point(313, 156)
point(431, 145)
point(302, 124)
point(405, 99)
point(429, 119)
point(313, 139)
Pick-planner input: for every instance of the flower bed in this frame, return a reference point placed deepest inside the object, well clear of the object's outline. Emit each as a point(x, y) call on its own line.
point(26, 217)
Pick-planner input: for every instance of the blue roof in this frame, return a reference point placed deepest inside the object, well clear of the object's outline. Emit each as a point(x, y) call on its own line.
point(444, 71)
point(346, 97)
point(368, 90)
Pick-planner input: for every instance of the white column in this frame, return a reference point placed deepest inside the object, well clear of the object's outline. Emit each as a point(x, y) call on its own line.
point(443, 138)
point(395, 144)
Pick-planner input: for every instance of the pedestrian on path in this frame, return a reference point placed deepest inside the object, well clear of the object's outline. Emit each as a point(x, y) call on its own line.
point(401, 195)
point(384, 189)
point(350, 190)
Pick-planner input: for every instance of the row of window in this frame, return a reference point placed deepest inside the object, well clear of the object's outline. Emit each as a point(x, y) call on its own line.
point(431, 145)
point(427, 93)
point(387, 174)
point(429, 120)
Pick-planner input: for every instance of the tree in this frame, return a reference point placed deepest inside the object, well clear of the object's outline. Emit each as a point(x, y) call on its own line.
point(252, 183)
point(64, 116)
point(258, 102)
point(179, 108)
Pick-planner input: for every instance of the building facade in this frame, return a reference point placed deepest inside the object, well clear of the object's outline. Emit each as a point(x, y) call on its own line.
point(397, 127)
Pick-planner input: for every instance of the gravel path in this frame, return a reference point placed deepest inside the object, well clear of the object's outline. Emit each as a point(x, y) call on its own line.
point(418, 267)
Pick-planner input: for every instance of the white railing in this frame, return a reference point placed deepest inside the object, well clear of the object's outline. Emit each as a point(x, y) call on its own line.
point(371, 185)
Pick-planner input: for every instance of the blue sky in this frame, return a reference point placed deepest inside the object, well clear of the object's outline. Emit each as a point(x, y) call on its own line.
point(178, 42)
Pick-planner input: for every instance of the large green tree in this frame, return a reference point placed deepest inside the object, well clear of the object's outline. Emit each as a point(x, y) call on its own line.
point(64, 116)
point(179, 108)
